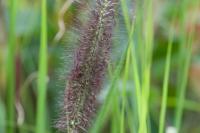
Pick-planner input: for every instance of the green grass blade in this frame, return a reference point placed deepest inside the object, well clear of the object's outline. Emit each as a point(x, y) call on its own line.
point(42, 75)
point(165, 88)
point(188, 104)
point(116, 113)
point(183, 86)
point(181, 98)
point(146, 72)
point(124, 89)
point(130, 30)
point(2, 117)
point(186, 48)
point(10, 69)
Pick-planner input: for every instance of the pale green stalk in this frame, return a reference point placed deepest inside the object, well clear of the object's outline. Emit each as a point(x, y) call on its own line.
point(187, 49)
point(188, 104)
point(10, 68)
point(124, 89)
point(148, 48)
point(130, 30)
point(165, 87)
point(42, 75)
point(183, 85)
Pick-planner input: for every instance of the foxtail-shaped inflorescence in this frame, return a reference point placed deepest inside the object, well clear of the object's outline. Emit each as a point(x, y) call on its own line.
point(90, 62)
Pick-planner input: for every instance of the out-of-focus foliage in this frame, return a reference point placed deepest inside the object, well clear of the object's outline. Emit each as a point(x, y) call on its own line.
point(61, 45)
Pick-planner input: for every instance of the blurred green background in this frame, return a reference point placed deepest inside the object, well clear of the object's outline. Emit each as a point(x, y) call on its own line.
point(62, 24)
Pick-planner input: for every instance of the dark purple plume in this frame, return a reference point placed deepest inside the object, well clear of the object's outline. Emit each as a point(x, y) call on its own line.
point(90, 62)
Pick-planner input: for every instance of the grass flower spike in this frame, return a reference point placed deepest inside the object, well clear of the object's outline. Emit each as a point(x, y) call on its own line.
point(90, 62)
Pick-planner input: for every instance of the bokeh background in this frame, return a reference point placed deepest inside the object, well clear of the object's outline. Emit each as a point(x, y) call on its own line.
point(63, 22)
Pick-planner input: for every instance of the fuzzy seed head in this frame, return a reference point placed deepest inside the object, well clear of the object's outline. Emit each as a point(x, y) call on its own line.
point(90, 62)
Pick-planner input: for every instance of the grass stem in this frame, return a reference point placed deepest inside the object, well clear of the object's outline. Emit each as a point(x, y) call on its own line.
point(165, 88)
point(10, 69)
point(42, 75)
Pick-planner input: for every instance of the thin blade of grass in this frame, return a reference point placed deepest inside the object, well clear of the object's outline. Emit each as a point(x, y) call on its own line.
point(116, 112)
point(124, 89)
point(10, 68)
point(183, 86)
point(146, 72)
point(165, 87)
point(42, 75)
point(187, 50)
point(188, 104)
point(130, 30)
